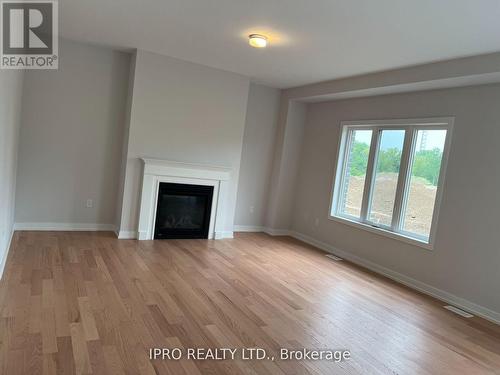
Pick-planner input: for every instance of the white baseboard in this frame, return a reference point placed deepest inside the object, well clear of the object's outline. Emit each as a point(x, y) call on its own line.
point(248, 228)
point(6, 254)
point(127, 235)
point(277, 232)
point(224, 234)
point(87, 227)
point(254, 228)
point(442, 295)
point(142, 235)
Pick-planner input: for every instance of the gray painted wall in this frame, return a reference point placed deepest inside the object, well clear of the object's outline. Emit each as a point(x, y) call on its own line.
point(466, 258)
point(285, 167)
point(124, 147)
point(71, 137)
point(184, 112)
point(11, 83)
point(257, 155)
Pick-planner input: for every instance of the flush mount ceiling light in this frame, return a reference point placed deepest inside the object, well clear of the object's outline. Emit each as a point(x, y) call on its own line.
point(257, 40)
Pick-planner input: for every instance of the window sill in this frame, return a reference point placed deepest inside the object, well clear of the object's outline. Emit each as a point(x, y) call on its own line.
point(383, 232)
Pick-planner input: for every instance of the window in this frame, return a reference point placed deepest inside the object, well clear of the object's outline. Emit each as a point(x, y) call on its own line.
point(385, 182)
point(355, 173)
point(389, 176)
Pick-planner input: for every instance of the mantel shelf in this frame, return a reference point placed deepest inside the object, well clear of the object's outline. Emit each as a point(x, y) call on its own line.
point(174, 168)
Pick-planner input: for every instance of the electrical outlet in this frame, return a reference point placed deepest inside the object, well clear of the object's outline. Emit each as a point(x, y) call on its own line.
point(316, 222)
point(90, 203)
point(252, 209)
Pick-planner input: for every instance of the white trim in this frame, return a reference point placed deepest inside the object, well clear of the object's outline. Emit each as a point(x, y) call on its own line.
point(383, 232)
point(157, 171)
point(440, 294)
point(188, 170)
point(411, 125)
point(441, 180)
point(6, 255)
point(268, 230)
point(402, 185)
point(127, 235)
point(87, 227)
point(426, 121)
point(277, 232)
point(248, 228)
point(370, 174)
point(458, 311)
point(219, 235)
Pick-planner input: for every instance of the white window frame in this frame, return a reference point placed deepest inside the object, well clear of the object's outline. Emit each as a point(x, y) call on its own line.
point(411, 126)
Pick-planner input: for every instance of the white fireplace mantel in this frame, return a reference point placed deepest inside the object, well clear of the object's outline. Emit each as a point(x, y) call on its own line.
point(156, 171)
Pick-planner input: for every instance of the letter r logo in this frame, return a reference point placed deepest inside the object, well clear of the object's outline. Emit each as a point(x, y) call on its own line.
point(27, 28)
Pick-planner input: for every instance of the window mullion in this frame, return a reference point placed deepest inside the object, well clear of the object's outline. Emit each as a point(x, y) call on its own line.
point(403, 178)
point(369, 174)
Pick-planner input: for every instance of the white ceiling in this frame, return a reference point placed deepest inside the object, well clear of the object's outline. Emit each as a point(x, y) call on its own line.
point(310, 40)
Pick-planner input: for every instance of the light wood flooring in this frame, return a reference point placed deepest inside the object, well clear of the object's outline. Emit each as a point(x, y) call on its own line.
point(87, 303)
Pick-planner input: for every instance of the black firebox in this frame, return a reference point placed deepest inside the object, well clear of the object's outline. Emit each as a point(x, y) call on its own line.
point(183, 211)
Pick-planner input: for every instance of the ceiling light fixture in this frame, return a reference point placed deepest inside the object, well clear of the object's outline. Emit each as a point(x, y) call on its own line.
point(257, 40)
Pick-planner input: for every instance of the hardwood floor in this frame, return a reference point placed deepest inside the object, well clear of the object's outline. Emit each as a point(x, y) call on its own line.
point(87, 303)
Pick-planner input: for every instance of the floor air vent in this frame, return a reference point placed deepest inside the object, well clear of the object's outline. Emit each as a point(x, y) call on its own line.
point(458, 311)
point(335, 258)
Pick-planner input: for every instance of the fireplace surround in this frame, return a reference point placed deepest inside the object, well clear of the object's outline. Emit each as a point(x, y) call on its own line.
point(156, 172)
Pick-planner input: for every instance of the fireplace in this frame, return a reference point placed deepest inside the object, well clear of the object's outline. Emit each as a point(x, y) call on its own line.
point(183, 211)
point(157, 172)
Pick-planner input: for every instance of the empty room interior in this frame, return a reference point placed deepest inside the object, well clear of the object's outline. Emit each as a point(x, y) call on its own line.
point(250, 187)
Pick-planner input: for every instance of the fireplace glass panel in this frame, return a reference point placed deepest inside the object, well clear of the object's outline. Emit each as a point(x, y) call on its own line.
point(183, 211)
